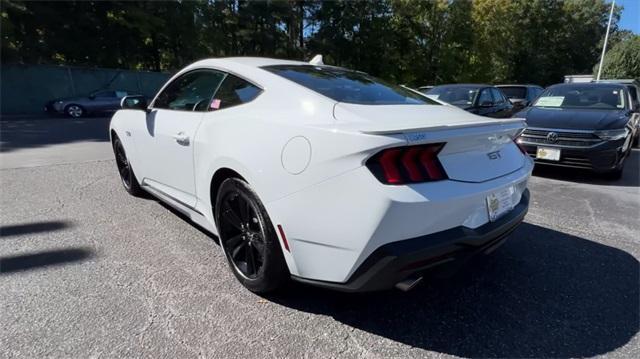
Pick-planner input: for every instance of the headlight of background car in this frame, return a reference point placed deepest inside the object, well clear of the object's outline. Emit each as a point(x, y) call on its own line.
point(611, 135)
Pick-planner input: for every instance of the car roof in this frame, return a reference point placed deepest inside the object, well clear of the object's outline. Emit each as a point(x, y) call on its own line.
point(589, 84)
point(518, 85)
point(464, 85)
point(619, 81)
point(245, 62)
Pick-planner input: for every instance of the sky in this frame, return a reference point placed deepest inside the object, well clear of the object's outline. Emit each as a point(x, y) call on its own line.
point(630, 19)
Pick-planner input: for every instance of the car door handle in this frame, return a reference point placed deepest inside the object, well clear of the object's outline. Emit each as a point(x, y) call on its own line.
point(181, 138)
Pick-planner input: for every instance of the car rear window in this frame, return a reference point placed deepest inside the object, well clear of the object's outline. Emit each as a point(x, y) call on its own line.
point(514, 91)
point(457, 95)
point(348, 86)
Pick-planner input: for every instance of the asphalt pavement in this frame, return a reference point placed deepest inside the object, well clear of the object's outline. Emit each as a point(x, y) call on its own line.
point(88, 271)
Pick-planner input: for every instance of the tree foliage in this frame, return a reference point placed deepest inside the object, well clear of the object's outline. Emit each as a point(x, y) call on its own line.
point(407, 41)
point(623, 60)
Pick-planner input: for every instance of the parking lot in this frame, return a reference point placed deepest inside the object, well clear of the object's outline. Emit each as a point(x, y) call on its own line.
point(88, 271)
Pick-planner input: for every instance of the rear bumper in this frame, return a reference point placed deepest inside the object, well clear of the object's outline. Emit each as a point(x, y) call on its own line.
point(397, 261)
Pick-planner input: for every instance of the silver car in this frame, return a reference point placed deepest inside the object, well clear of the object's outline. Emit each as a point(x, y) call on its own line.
point(103, 101)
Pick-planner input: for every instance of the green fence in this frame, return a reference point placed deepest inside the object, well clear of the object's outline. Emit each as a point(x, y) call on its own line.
point(27, 88)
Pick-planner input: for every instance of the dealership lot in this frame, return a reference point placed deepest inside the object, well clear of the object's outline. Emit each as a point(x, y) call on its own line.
point(89, 271)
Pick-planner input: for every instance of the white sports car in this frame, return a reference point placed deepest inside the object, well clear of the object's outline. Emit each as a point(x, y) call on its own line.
point(321, 174)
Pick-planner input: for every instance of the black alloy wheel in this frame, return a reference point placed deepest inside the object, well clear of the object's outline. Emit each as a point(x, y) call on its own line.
point(245, 235)
point(248, 238)
point(129, 180)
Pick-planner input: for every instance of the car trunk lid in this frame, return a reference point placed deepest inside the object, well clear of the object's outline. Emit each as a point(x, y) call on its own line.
point(477, 149)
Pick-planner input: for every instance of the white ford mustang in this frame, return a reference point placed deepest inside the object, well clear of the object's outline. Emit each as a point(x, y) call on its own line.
point(322, 174)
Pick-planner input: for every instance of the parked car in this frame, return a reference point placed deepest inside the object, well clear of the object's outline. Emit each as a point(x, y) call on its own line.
point(321, 174)
point(99, 102)
point(521, 95)
point(483, 100)
point(586, 125)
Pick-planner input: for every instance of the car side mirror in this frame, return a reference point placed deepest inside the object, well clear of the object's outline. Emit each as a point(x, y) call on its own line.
point(486, 104)
point(134, 103)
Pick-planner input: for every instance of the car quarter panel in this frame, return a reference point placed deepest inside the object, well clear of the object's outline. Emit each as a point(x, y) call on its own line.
point(252, 140)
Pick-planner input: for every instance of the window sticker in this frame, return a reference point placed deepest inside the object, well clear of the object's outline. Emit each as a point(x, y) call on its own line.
point(620, 104)
point(550, 101)
point(215, 104)
point(433, 97)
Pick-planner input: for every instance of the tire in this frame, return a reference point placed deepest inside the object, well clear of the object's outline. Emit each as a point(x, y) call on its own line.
point(75, 111)
point(248, 238)
point(127, 177)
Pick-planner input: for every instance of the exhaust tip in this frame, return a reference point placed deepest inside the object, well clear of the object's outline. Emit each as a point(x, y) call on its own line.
point(408, 284)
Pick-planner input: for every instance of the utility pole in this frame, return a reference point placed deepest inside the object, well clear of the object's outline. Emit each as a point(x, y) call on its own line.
point(606, 38)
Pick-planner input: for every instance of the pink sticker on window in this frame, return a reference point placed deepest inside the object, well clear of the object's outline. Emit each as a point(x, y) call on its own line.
point(215, 104)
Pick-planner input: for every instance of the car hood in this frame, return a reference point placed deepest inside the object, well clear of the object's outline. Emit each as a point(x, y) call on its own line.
point(578, 119)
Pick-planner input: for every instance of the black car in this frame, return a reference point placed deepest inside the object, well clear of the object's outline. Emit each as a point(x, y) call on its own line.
point(483, 100)
point(521, 95)
point(104, 101)
point(587, 126)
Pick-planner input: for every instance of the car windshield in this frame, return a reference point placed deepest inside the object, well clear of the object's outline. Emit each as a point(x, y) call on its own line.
point(514, 91)
point(348, 86)
point(455, 95)
point(585, 96)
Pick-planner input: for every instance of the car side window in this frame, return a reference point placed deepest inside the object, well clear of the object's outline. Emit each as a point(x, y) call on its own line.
point(190, 92)
point(234, 91)
point(497, 96)
point(105, 94)
point(485, 96)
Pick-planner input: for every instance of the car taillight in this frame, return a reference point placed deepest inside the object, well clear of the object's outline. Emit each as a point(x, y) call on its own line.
point(411, 164)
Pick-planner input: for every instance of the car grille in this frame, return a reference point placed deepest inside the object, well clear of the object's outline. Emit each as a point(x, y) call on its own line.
point(538, 136)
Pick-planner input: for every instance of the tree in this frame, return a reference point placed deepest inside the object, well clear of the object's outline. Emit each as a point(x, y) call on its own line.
point(404, 41)
point(622, 61)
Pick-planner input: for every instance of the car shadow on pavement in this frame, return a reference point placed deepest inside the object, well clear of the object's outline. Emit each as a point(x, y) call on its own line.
point(543, 294)
point(18, 133)
point(186, 218)
point(630, 176)
point(43, 259)
point(35, 227)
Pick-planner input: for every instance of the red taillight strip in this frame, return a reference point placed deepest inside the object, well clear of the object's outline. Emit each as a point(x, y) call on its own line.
point(284, 238)
point(411, 164)
point(389, 166)
point(429, 160)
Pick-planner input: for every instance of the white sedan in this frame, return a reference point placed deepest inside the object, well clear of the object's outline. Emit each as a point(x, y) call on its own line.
point(321, 174)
